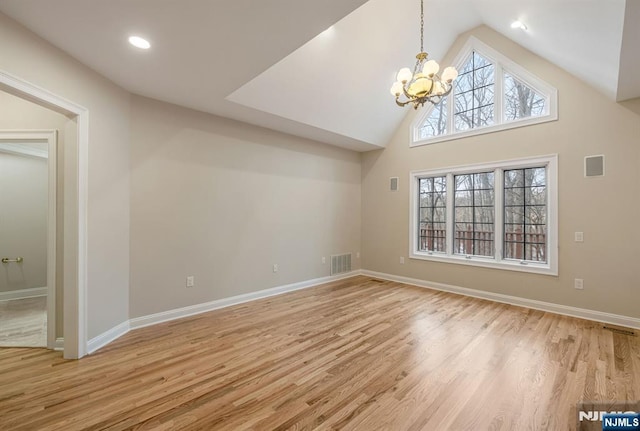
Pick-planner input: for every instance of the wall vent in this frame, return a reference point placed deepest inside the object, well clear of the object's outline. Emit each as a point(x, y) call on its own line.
point(594, 166)
point(340, 263)
point(393, 184)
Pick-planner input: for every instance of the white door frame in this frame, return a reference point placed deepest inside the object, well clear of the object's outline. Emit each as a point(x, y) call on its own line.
point(75, 256)
point(50, 137)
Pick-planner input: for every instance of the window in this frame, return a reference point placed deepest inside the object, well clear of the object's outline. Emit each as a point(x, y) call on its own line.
point(491, 93)
point(474, 206)
point(433, 211)
point(500, 215)
point(474, 94)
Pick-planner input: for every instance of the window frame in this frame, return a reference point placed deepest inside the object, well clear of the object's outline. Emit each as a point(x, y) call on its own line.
point(497, 261)
point(502, 64)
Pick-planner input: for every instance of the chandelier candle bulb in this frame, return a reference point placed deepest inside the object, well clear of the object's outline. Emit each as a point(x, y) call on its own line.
point(396, 89)
point(423, 84)
point(430, 68)
point(449, 74)
point(405, 75)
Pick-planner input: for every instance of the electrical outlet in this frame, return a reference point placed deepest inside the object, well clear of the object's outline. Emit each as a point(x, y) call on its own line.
point(324, 260)
point(275, 267)
point(578, 283)
point(579, 236)
point(358, 255)
point(402, 260)
point(191, 281)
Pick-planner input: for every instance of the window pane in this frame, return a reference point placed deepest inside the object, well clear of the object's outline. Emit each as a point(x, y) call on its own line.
point(483, 76)
point(474, 214)
point(463, 121)
point(464, 102)
point(436, 122)
point(483, 96)
point(514, 215)
point(432, 224)
point(536, 195)
point(464, 182)
point(520, 100)
point(426, 200)
point(525, 214)
point(464, 82)
point(464, 198)
point(479, 60)
point(514, 178)
point(483, 116)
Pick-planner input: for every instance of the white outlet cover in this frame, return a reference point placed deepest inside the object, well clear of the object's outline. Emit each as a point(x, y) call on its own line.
point(579, 236)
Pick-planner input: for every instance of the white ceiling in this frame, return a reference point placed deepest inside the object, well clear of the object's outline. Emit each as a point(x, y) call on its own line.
point(272, 63)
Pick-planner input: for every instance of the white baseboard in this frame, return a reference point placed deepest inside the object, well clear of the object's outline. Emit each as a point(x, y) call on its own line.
point(582, 313)
point(107, 337)
point(59, 344)
point(23, 293)
point(178, 313)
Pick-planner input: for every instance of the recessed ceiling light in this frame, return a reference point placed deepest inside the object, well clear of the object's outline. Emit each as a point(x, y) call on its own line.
point(328, 31)
point(139, 42)
point(518, 24)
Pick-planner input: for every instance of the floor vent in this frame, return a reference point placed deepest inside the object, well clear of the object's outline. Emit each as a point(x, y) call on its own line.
point(622, 331)
point(340, 263)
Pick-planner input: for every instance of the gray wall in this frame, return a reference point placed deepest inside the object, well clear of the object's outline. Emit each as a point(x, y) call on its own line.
point(606, 209)
point(224, 201)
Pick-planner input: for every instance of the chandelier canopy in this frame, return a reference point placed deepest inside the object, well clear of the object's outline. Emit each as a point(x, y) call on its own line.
point(423, 84)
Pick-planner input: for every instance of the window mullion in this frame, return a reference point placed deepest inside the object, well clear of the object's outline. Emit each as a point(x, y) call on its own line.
point(498, 217)
point(450, 187)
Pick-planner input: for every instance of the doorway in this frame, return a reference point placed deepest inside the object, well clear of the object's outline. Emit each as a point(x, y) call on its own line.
point(28, 184)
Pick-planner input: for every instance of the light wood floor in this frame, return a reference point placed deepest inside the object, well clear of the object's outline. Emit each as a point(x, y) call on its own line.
point(23, 322)
point(352, 355)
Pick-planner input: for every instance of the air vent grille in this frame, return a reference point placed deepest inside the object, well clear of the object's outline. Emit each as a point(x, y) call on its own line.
point(340, 263)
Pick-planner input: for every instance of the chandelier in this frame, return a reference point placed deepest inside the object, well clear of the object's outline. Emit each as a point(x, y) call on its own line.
point(423, 84)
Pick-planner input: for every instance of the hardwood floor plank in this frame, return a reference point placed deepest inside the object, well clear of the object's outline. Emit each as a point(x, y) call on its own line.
point(357, 354)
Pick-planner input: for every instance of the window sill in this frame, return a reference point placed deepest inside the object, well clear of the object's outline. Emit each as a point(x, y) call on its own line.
point(484, 130)
point(507, 265)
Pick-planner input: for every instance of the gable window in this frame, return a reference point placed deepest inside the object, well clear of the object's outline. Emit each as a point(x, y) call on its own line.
point(499, 215)
point(491, 93)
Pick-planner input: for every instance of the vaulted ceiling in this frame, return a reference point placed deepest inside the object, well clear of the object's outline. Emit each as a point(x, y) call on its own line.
point(321, 70)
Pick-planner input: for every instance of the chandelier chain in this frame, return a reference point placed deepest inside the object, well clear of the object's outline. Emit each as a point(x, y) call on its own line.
point(421, 25)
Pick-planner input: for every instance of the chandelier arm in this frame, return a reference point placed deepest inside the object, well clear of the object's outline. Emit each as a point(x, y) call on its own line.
point(402, 104)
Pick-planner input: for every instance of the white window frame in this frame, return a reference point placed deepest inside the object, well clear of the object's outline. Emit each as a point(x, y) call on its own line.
point(497, 261)
point(502, 64)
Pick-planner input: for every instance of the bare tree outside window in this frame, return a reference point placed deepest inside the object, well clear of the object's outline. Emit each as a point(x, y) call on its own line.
point(520, 100)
